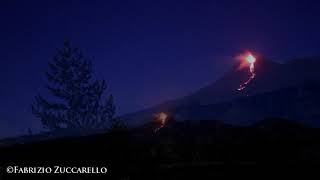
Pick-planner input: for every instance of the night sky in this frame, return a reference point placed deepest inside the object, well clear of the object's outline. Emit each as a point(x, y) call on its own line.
point(147, 51)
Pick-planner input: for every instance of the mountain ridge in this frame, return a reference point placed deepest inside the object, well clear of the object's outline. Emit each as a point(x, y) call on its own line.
point(270, 76)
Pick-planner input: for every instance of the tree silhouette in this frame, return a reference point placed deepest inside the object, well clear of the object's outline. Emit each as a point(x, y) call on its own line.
point(78, 97)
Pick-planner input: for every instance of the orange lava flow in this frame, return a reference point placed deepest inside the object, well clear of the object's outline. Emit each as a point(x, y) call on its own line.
point(249, 59)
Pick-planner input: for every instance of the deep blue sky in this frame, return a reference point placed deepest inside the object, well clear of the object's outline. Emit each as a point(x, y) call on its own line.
point(148, 51)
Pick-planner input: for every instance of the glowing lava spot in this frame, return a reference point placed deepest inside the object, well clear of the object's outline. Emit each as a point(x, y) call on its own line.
point(161, 119)
point(247, 59)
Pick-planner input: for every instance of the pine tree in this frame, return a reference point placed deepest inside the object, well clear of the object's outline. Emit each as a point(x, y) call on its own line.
point(78, 97)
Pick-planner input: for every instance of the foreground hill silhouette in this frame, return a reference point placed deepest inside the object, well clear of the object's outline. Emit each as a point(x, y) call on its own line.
point(179, 149)
point(278, 90)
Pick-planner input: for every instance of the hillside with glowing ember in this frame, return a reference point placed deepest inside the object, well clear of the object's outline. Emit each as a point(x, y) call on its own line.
point(236, 96)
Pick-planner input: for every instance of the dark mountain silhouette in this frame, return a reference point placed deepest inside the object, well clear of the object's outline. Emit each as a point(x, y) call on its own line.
point(299, 103)
point(278, 90)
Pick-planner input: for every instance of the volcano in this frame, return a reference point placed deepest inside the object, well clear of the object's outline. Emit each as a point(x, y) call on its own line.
point(278, 90)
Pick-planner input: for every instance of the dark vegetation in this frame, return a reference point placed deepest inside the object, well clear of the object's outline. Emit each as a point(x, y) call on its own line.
point(78, 101)
point(179, 150)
